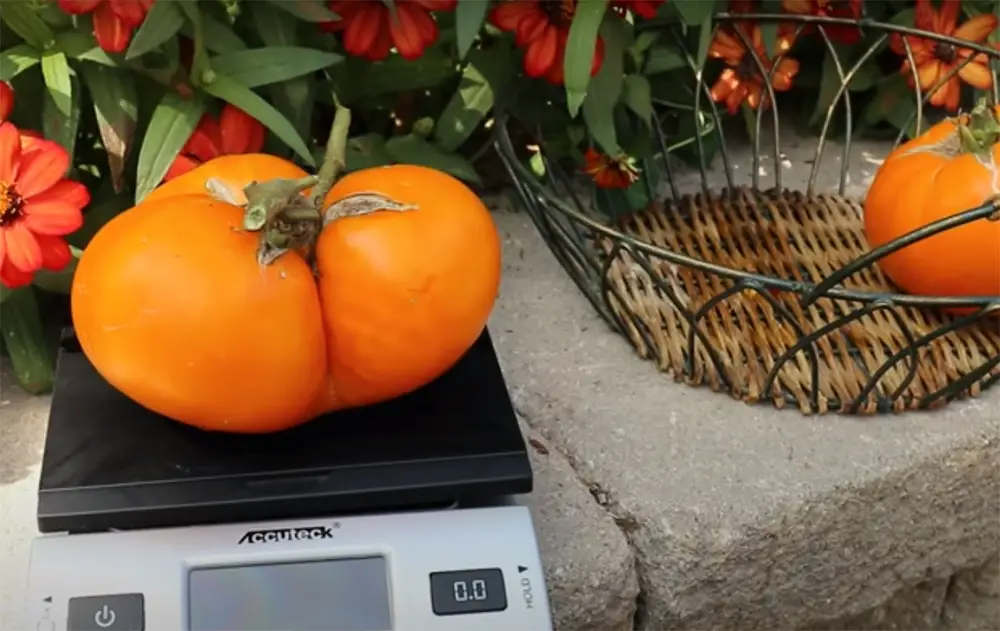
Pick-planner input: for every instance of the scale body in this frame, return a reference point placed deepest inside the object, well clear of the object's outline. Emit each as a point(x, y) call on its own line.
point(397, 517)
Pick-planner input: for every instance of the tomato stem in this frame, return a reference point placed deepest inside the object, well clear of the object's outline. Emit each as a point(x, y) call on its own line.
point(979, 132)
point(335, 159)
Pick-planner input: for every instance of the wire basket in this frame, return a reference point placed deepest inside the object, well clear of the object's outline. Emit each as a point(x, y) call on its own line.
point(769, 294)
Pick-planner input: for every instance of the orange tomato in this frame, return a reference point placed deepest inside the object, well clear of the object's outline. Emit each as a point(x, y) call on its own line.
point(172, 308)
point(924, 180)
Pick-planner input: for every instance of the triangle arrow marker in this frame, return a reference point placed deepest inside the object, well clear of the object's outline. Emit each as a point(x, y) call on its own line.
point(521, 569)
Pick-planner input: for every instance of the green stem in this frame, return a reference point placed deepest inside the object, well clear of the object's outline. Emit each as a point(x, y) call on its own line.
point(335, 159)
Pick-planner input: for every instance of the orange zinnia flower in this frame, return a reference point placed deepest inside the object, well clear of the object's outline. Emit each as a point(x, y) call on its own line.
point(234, 132)
point(38, 206)
point(608, 172)
point(541, 27)
point(371, 31)
point(848, 9)
point(742, 81)
point(114, 20)
point(934, 60)
point(6, 100)
point(643, 8)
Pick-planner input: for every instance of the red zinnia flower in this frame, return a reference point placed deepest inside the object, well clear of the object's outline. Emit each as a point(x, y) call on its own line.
point(849, 9)
point(743, 81)
point(541, 27)
point(935, 60)
point(370, 29)
point(38, 206)
point(234, 132)
point(643, 8)
point(114, 20)
point(6, 100)
point(608, 172)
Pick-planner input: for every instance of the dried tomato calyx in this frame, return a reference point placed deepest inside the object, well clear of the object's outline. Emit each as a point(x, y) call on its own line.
point(979, 132)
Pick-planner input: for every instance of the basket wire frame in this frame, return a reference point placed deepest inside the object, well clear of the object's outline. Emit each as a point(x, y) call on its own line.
point(571, 228)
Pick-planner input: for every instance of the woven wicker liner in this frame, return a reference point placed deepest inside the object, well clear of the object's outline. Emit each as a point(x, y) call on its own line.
point(791, 236)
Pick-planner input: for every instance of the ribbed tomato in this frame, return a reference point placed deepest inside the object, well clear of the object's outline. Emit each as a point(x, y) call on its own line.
point(172, 307)
point(953, 167)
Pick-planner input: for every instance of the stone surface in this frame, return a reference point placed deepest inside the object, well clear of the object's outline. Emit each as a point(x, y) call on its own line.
point(746, 517)
point(589, 565)
point(973, 599)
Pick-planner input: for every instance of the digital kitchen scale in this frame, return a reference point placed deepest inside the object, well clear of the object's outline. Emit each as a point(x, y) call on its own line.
point(395, 517)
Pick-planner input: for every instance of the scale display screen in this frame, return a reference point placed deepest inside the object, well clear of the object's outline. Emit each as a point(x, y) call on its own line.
point(343, 594)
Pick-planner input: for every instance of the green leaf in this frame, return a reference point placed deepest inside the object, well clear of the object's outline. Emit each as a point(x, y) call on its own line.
point(17, 59)
point(172, 123)
point(24, 339)
point(163, 21)
point(58, 282)
point(410, 149)
point(307, 10)
point(706, 33)
point(367, 151)
point(219, 37)
point(21, 17)
point(664, 58)
point(55, 69)
point(580, 47)
point(693, 12)
point(295, 98)
point(115, 106)
point(83, 47)
point(364, 79)
point(637, 95)
point(606, 88)
point(60, 127)
point(485, 76)
point(255, 67)
point(469, 17)
point(231, 91)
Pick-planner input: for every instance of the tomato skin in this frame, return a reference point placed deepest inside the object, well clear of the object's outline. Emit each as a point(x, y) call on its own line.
point(405, 294)
point(172, 309)
point(232, 171)
point(917, 185)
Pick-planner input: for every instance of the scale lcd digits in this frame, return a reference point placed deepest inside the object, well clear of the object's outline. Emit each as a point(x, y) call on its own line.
point(396, 517)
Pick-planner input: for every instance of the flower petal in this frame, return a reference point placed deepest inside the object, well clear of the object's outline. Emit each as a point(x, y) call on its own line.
point(978, 28)
point(947, 17)
point(111, 32)
point(239, 132)
point(435, 5)
point(977, 75)
point(405, 31)
point(382, 46)
point(181, 165)
point(529, 28)
point(928, 74)
point(78, 7)
point(22, 247)
point(13, 277)
point(57, 211)
point(56, 254)
point(508, 15)
point(205, 142)
point(41, 168)
point(364, 28)
point(541, 53)
point(131, 12)
point(6, 100)
point(10, 153)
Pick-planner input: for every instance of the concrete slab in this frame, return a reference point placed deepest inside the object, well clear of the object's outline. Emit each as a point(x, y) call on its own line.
point(589, 565)
point(745, 517)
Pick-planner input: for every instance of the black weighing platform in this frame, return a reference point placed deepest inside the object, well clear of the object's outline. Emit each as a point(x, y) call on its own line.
point(110, 464)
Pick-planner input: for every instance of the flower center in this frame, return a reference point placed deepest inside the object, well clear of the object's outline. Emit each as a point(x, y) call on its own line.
point(747, 69)
point(11, 204)
point(559, 12)
point(945, 52)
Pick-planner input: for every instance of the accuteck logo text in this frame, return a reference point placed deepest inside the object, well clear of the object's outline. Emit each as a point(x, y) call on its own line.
point(278, 535)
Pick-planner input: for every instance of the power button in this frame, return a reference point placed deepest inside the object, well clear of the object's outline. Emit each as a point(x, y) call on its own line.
point(112, 612)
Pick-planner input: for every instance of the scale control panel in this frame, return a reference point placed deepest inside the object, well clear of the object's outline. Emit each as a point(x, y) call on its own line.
point(450, 570)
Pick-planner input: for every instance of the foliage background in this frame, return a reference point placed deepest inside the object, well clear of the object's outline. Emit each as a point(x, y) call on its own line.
point(125, 117)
